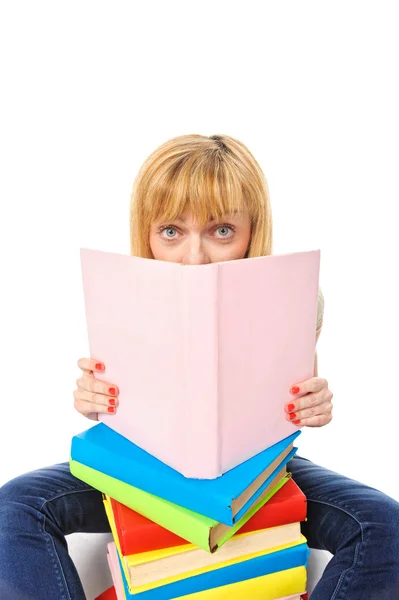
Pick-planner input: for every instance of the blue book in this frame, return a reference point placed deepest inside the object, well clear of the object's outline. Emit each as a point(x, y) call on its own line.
point(225, 499)
point(288, 558)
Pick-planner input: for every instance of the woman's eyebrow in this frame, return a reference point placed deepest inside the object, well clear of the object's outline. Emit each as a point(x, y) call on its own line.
point(212, 219)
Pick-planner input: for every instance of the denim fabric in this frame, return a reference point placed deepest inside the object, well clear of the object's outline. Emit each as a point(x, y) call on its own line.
point(356, 523)
point(37, 510)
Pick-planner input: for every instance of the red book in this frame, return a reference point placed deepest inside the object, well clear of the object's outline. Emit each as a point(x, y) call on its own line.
point(138, 534)
point(109, 594)
point(288, 505)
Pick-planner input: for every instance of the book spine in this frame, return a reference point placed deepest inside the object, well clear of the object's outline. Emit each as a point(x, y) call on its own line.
point(119, 523)
point(199, 394)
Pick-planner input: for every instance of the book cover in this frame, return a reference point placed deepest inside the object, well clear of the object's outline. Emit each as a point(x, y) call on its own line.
point(225, 499)
point(181, 561)
point(212, 562)
point(149, 567)
point(288, 505)
point(191, 348)
point(265, 577)
point(138, 534)
point(202, 531)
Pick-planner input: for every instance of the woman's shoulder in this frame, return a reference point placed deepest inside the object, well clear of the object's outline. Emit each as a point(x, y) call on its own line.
point(320, 309)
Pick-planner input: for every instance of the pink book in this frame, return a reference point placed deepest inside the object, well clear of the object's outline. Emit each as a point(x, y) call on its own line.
point(204, 355)
point(114, 568)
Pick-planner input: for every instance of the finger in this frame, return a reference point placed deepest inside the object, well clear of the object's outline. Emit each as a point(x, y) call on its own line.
point(93, 416)
point(86, 408)
point(314, 384)
point(98, 399)
point(320, 409)
point(307, 401)
point(86, 403)
point(91, 364)
point(91, 384)
point(317, 421)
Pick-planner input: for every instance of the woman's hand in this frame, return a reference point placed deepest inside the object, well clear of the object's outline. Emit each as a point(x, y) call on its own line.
point(312, 406)
point(92, 395)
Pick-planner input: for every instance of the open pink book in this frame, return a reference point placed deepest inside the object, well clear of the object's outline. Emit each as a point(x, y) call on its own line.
point(204, 356)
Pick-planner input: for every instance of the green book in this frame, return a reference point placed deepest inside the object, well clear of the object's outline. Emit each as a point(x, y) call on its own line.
point(193, 527)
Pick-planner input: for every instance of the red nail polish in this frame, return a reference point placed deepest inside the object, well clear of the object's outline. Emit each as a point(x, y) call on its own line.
point(295, 389)
point(112, 401)
point(99, 367)
point(111, 409)
point(112, 391)
point(296, 422)
point(292, 416)
point(290, 407)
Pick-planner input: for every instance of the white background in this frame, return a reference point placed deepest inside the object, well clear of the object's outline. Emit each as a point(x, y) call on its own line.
point(89, 89)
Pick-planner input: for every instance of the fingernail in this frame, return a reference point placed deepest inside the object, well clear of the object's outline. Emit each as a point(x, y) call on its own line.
point(111, 409)
point(112, 391)
point(295, 390)
point(290, 407)
point(99, 367)
point(112, 401)
point(296, 422)
point(292, 416)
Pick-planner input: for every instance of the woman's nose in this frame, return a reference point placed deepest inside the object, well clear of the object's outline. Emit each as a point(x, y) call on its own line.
point(194, 253)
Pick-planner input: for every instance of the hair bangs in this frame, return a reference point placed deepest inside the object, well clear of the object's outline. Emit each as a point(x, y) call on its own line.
point(207, 188)
point(206, 176)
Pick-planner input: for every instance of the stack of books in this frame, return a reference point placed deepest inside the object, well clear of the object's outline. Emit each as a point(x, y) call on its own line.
point(248, 544)
point(204, 359)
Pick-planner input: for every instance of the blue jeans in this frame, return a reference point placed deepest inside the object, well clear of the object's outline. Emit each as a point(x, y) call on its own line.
point(356, 523)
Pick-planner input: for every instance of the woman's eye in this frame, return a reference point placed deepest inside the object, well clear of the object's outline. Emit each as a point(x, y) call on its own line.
point(224, 231)
point(169, 233)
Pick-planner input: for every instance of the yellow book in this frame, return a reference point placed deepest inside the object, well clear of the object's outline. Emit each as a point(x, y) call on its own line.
point(150, 566)
point(288, 585)
point(135, 589)
point(267, 587)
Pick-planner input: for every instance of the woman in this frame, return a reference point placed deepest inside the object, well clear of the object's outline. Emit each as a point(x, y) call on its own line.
point(199, 200)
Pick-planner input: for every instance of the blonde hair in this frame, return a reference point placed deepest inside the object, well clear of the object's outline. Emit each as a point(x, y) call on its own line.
point(208, 176)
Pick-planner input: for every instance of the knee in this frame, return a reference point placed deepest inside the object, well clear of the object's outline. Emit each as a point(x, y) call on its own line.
point(383, 528)
point(17, 503)
point(386, 514)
